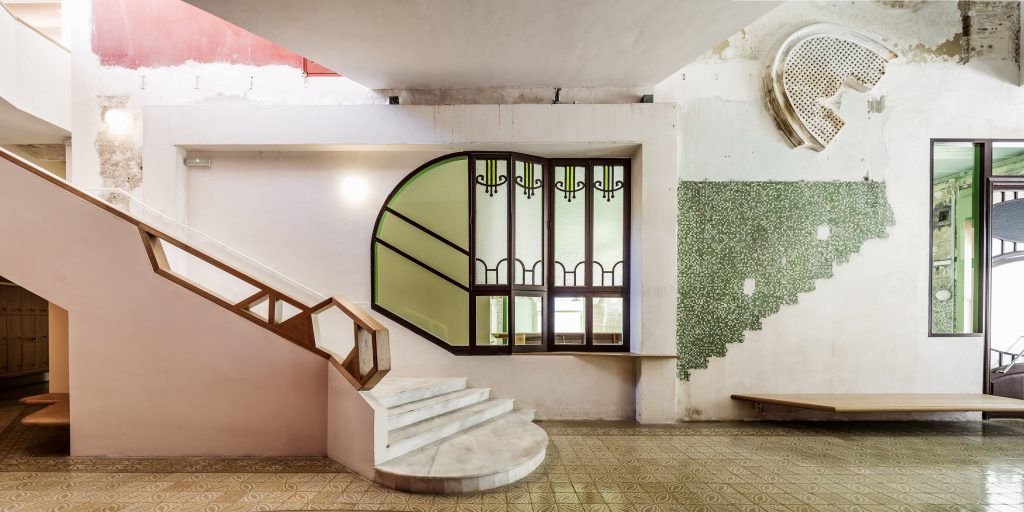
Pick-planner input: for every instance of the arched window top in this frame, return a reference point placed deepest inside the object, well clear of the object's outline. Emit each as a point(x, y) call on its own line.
point(500, 252)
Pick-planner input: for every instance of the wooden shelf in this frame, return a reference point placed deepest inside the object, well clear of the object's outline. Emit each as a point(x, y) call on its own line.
point(599, 354)
point(58, 414)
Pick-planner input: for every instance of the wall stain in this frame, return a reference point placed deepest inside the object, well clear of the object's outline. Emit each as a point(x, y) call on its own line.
point(990, 30)
point(120, 158)
point(720, 49)
point(876, 105)
point(692, 413)
point(951, 48)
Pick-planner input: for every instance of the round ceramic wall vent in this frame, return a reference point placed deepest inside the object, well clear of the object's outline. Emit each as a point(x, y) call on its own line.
point(809, 69)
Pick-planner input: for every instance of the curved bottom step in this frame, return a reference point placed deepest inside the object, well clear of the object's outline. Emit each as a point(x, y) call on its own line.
point(491, 455)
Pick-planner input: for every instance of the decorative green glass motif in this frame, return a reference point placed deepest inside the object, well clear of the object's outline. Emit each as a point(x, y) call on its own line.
point(528, 264)
point(492, 178)
point(528, 180)
point(747, 248)
point(608, 241)
point(491, 222)
point(568, 185)
point(610, 182)
point(570, 228)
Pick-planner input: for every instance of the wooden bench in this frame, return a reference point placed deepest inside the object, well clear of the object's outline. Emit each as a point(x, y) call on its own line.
point(56, 414)
point(889, 402)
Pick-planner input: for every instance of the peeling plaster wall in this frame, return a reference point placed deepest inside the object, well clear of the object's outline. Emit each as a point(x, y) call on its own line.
point(105, 159)
point(863, 330)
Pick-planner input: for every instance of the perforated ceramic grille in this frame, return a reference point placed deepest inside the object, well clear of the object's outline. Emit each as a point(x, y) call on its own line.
point(816, 69)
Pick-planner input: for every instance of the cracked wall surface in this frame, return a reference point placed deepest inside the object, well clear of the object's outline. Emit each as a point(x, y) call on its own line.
point(748, 248)
point(120, 158)
point(866, 328)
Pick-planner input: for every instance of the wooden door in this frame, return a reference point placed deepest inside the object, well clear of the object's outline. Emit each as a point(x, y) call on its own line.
point(24, 336)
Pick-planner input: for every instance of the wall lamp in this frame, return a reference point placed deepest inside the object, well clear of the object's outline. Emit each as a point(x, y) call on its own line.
point(118, 120)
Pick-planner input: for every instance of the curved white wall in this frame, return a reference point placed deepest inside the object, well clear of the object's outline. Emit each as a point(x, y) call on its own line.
point(36, 80)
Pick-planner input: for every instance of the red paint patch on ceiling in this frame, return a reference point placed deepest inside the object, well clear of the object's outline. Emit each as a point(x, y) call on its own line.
point(158, 33)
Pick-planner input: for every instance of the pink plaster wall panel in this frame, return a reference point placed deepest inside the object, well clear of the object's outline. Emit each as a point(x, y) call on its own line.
point(154, 368)
point(157, 33)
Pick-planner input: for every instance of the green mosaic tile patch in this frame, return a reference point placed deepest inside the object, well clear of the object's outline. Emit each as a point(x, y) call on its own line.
point(746, 248)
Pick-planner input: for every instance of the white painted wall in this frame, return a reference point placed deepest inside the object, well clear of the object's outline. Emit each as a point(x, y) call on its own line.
point(149, 379)
point(285, 209)
point(290, 210)
point(36, 82)
point(865, 329)
point(186, 84)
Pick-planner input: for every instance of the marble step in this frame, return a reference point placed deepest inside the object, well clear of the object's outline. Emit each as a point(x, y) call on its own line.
point(406, 439)
point(393, 392)
point(489, 455)
point(412, 412)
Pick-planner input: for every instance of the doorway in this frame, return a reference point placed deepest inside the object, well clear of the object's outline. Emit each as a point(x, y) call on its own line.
point(24, 336)
point(1006, 332)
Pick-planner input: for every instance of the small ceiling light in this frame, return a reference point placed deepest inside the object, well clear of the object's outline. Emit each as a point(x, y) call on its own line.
point(354, 189)
point(119, 121)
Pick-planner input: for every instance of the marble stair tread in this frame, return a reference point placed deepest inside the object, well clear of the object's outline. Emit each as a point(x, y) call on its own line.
point(489, 455)
point(393, 392)
point(406, 439)
point(412, 412)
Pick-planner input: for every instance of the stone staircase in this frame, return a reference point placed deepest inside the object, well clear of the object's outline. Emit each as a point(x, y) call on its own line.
point(445, 437)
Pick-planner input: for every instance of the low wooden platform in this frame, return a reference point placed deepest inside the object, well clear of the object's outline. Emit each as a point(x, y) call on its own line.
point(884, 402)
point(57, 414)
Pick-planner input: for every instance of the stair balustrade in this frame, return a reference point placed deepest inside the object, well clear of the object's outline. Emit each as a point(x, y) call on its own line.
point(242, 285)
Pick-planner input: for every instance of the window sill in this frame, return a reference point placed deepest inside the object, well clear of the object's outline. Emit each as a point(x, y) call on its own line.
point(599, 354)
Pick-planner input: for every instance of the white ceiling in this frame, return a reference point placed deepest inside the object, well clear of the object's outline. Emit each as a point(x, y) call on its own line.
point(445, 44)
point(18, 127)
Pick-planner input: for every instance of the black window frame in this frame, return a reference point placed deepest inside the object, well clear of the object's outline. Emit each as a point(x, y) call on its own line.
point(547, 291)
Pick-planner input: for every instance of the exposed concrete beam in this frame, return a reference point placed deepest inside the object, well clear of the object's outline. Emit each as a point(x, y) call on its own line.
point(444, 44)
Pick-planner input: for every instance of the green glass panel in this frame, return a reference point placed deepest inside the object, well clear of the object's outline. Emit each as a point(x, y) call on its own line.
point(528, 194)
point(607, 313)
point(609, 221)
point(490, 185)
point(570, 197)
point(1008, 158)
point(570, 320)
point(529, 323)
point(421, 298)
point(429, 250)
point(438, 199)
point(492, 320)
point(956, 173)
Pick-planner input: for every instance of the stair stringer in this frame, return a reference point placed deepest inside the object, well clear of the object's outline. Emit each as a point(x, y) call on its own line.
point(353, 417)
point(156, 370)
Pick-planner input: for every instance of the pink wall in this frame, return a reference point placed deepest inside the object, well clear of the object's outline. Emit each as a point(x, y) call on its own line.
point(154, 368)
point(155, 33)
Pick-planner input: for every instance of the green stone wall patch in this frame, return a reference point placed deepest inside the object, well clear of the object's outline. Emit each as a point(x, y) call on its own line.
point(748, 247)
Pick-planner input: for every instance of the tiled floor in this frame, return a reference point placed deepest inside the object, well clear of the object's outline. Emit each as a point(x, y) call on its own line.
point(590, 466)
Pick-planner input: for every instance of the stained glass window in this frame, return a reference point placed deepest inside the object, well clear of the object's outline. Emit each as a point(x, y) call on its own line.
point(499, 252)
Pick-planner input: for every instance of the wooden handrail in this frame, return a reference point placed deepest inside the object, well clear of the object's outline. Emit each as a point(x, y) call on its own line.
point(364, 366)
point(370, 358)
point(28, 25)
